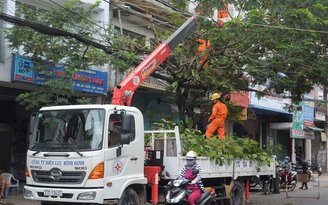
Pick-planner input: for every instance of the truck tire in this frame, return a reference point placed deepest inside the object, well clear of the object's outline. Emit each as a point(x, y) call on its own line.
point(129, 197)
point(238, 194)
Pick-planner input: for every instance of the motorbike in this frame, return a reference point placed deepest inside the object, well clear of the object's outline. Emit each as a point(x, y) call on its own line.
point(254, 181)
point(316, 169)
point(178, 193)
point(283, 182)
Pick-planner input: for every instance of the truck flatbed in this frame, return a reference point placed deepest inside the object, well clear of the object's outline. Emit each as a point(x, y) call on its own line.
point(173, 160)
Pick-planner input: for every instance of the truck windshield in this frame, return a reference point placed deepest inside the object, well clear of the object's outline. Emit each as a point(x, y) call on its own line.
point(68, 130)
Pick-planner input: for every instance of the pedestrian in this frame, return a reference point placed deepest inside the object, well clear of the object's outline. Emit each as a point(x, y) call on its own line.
point(276, 180)
point(305, 168)
point(3, 183)
point(217, 118)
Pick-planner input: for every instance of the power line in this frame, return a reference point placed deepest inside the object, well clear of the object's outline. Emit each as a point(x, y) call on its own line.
point(159, 24)
point(33, 7)
point(52, 31)
point(76, 14)
point(284, 28)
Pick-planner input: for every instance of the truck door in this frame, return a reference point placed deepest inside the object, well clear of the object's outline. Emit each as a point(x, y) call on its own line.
point(127, 164)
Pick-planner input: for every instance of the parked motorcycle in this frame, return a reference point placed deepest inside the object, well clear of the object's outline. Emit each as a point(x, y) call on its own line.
point(178, 193)
point(316, 169)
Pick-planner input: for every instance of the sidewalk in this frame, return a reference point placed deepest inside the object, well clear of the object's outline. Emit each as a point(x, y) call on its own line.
point(18, 199)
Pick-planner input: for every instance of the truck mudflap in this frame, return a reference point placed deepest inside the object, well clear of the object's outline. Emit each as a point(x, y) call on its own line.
point(68, 195)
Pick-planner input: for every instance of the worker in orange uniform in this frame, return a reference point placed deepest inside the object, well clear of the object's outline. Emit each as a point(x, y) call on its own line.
point(203, 45)
point(217, 118)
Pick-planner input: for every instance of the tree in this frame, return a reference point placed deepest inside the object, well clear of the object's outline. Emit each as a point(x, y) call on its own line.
point(52, 38)
point(274, 39)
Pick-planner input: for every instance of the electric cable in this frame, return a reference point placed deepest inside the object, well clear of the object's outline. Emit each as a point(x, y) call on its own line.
point(52, 31)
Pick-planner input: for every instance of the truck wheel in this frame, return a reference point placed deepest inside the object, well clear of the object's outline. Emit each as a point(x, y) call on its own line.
point(238, 194)
point(129, 197)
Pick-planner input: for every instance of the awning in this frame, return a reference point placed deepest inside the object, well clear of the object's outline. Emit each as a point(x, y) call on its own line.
point(314, 128)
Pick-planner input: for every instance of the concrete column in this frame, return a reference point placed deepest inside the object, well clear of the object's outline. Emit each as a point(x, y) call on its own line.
point(308, 150)
point(293, 151)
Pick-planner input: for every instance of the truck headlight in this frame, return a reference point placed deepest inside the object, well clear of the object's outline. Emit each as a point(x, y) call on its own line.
point(28, 193)
point(91, 195)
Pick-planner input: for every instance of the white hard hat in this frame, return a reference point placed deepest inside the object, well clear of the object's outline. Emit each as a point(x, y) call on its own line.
point(191, 155)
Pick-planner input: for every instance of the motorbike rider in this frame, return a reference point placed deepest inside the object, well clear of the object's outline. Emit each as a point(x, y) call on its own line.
point(196, 184)
point(287, 165)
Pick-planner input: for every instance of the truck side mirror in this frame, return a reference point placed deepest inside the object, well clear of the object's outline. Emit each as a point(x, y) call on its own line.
point(30, 126)
point(126, 134)
point(127, 120)
point(124, 139)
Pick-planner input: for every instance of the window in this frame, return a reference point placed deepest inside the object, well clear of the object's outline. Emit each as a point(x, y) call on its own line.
point(115, 129)
point(131, 34)
point(67, 130)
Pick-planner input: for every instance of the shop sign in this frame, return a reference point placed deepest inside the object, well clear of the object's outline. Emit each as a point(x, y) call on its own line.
point(320, 116)
point(298, 134)
point(240, 98)
point(308, 134)
point(89, 81)
point(323, 137)
point(308, 109)
point(308, 115)
point(268, 102)
point(298, 124)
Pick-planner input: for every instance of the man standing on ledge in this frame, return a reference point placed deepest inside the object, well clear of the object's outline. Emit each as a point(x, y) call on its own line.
point(217, 118)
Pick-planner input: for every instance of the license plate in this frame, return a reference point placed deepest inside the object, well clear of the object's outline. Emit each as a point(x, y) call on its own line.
point(53, 193)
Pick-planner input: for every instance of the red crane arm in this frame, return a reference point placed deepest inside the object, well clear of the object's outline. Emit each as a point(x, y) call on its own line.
point(124, 91)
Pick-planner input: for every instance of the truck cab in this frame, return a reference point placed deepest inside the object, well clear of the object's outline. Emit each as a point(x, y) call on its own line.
point(85, 153)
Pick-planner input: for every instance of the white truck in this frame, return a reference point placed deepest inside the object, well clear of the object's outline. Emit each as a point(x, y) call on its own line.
point(96, 154)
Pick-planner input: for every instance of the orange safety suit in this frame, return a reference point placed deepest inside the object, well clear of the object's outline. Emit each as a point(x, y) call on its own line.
point(204, 45)
point(217, 120)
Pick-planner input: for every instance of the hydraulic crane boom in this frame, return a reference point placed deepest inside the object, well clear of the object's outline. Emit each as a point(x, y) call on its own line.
point(124, 91)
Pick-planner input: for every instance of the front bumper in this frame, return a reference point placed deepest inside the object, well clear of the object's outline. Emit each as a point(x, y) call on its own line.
point(70, 195)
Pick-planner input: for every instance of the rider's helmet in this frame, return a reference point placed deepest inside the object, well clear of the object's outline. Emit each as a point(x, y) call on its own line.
point(191, 158)
point(191, 155)
point(215, 96)
point(288, 158)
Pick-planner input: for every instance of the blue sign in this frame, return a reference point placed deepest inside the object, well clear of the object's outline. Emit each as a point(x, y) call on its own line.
point(22, 69)
point(89, 81)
